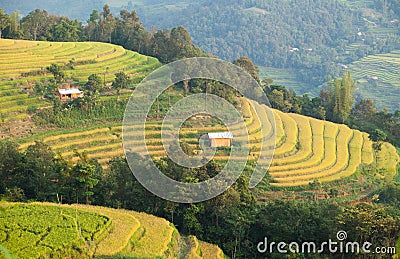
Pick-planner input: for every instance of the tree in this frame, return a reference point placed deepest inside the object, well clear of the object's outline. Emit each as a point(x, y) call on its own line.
point(364, 110)
point(94, 84)
point(107, 24)
point(121, 81)
point(92, 89)
point(40, 171)
point(377, 224)
point(10, 164)
point(390, 194)
point(92, 27)
point(57, 72)
point(15, 28)
point(379, 137)
point(182, 44)
point(248, 65)
point(65, 30)
point(4, 21)
point(190, 221)
point(35, 23)
point(84, 174)
point(267, 82)
point(173, 45)
point(338, 99)
point(130, 32)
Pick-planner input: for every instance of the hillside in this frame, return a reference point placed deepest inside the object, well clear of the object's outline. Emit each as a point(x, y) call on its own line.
point(335, 152)
point(378, 79)
point(306, 149)
point(299, 48)
point(24, 63)
point(50, 230)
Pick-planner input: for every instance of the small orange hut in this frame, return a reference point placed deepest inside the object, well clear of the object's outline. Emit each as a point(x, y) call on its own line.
point(69, 94)
point(220, 139)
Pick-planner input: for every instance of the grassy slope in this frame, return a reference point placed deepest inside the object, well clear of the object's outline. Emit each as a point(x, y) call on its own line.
point(123, 233)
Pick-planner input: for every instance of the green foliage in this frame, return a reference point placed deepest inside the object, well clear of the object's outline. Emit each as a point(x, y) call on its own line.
point(339, 98)
point(93, 84)
point(378, 225)
point(380, 125)
point(4, 21)
point(173, 45)
point(9, 164)
point(287, 101)
point(34, 24)
point(378, 136)
point(121, 81)
point(57, 72)
point(38, 174)
point(248, 66)
point(84, 174)
point(66, 30)
point(390, 195)
point(77, 113)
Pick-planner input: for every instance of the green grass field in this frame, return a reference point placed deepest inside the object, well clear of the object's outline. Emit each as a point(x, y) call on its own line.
point(18, 58)
point(47, 230)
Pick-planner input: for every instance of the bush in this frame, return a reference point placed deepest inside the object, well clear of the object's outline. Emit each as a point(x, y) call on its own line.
point(31, 109)
point(15, 194)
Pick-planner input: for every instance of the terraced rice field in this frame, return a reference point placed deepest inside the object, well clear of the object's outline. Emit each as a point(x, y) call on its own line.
point(98, 231)
point(306, 149)
point(199, 249)
point(378, 78)
point(18, 57)
point(288, 78)
point(358, 3)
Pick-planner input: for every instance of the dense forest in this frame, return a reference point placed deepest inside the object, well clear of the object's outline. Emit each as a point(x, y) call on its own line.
point(286, 34)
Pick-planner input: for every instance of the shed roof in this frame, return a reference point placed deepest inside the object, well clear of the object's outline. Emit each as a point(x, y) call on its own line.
point(70, 91)
point(227, 135)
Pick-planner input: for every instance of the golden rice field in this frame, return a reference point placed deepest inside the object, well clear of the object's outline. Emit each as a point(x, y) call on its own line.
point(199, 249)
point(18, 57)
point(307, 149)
point(110, 232)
